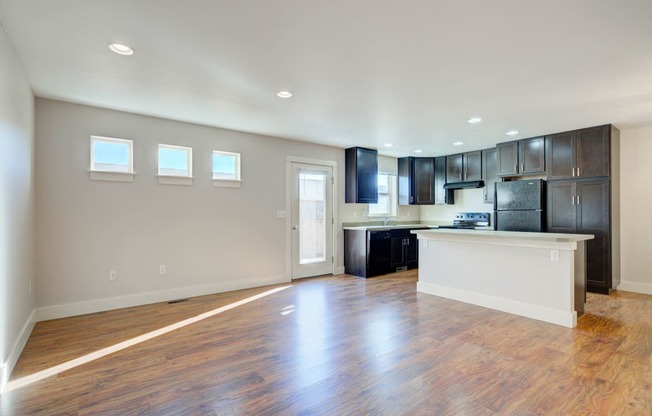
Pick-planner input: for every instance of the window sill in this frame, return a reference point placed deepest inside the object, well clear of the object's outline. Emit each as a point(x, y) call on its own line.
point(102, 175)
point(382, 216)
point(227, 183)
point(175, 180)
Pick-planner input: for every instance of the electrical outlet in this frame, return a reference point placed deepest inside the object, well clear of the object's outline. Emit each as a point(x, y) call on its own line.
point(162, 269)
point(554, 255)
point(113, 274)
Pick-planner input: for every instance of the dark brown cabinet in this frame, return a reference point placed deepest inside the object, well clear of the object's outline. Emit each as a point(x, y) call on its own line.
point(521, 157)
point(405, 250)
point(369, 253)
point(361, 176)
point(416, 181)
point(489, 174)
point(442, 196)
point(583, 207)
point(464, 167)
point(579, 154)
point(580, 199)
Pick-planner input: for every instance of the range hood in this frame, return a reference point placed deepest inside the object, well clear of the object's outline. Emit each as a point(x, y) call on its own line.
point(464, 185)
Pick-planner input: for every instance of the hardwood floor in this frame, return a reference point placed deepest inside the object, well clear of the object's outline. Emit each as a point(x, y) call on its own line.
point(343, 345)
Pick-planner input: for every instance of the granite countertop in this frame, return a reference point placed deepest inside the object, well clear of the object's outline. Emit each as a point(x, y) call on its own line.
point(378, 227)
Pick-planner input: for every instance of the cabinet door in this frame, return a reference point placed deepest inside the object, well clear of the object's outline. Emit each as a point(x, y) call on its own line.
point(592, 149)
point(423, 178)
point(561, 217)
point(361, 184)
point(454, 168)
point(560, 157)
point(405, 195)
point(592, 199)
point(532, 155)
point(507, 158)
point(472, 164)
point(398, 249)
point(442, 196)
point(412, 251)
point(489, 174)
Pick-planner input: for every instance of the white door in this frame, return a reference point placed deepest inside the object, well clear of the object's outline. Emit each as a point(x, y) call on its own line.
point(312, 220)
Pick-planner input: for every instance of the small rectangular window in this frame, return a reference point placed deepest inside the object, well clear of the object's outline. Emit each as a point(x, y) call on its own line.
point(174, 161)
point(226, 166)
point(387, 197)
point(111, 155)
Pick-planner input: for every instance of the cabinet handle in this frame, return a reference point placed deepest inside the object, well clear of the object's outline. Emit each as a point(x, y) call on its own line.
point(578, 199)
point(578, 172)
point(408, 241)
point(515, 168)
point(460, 175)
point(573, 172)
point(573, 200)
point(522, 167)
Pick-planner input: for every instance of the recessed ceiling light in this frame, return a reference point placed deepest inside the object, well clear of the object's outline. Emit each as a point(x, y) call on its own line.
point(458, 143)
point(388, 145)
point(418, 151)
point(512, 133)
point(120, 49)
point(284, 94)
point(475, 120)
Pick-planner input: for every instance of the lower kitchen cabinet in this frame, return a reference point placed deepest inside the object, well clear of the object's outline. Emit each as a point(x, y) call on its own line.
point(369, 253)
point(405, 250)
point(582, 207)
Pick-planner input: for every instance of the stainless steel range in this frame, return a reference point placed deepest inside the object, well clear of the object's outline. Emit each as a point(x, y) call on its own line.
point(469, 220)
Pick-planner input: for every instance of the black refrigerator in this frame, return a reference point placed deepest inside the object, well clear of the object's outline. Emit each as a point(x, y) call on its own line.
point(520, 205)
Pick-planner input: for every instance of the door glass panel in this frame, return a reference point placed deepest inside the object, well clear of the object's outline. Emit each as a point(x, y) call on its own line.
point(312, 196)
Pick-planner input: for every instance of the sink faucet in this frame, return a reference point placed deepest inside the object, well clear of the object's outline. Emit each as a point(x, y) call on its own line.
point(386, 221)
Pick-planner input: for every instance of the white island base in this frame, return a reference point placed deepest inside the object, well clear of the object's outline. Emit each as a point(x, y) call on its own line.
point(536, 275)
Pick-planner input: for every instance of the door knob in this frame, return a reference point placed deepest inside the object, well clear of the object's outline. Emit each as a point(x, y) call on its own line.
point(295, 227)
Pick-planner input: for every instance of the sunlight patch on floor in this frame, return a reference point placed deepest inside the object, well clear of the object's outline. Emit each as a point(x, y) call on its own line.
point(41, 375)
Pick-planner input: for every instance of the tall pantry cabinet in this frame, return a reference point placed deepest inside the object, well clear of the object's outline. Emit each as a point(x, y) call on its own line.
point(583, 197)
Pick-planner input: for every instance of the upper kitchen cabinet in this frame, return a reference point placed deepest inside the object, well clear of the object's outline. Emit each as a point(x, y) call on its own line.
point(521, 157)
point(579, 154)
point(416, 181)
point(442, 196)
point(361, 184)
point(489, 174)
point(464, 167)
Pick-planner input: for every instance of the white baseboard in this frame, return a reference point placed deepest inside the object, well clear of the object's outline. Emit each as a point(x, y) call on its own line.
point(8, 366)
point(100, 305)
point(338, 270)
point(553, 316)
point(645, 288)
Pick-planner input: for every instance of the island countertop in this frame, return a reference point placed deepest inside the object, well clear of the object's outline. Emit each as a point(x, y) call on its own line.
point(510, 238)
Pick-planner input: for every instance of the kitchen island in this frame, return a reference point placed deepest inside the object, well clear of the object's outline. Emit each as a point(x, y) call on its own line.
point(537, 275)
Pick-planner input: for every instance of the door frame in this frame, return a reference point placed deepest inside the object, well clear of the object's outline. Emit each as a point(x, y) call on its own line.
point(289, 160)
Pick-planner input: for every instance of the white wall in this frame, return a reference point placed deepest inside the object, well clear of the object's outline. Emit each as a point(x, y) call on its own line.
point(16, 208)
point(211, 239)
point(636, 200)
point(466, 200)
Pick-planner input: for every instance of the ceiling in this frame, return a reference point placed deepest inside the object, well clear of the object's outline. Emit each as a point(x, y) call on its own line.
point(363, 72)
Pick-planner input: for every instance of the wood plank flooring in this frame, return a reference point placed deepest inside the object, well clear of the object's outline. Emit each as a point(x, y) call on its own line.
point(343, 345)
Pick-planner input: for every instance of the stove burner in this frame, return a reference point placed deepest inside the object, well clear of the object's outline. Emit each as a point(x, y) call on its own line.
point(468, 220)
